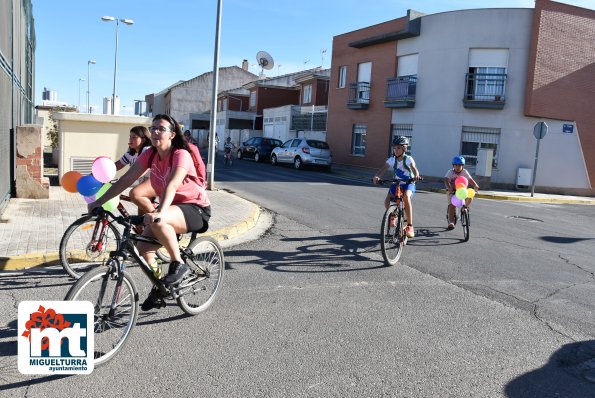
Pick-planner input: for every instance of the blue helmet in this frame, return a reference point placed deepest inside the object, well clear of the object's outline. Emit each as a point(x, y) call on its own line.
point(458, 160)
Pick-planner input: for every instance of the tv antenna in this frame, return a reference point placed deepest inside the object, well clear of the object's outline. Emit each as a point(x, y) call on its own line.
point(265, 61)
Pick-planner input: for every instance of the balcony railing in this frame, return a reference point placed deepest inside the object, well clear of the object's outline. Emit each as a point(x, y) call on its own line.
point(400, 92)
point(485, 90)
point(359, 95)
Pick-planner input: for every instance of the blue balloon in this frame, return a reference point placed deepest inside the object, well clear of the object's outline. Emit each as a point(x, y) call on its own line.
point(88, 185)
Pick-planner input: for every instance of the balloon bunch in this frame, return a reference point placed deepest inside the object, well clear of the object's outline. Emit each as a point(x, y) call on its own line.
point(461, 192)
point(94, 185)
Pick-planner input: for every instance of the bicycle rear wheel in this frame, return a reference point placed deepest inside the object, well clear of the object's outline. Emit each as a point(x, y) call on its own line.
point(198, 292)
point(184, 241)
point(112, 327)
point(86, 243)
point(391, 239)
point(465, 223)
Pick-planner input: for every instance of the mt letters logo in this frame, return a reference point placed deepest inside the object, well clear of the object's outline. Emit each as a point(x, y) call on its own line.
point(55, 337)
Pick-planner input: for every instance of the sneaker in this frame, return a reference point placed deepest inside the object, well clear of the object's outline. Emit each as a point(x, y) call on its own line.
point(153, 301)
point(409, 231)
point(393, 221)
point(176, 273)
point(450, 226)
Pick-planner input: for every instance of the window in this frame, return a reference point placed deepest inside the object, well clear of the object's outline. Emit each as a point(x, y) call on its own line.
point(358, 140)
point(225, 102)
point(474, 138)
point(342, 76)
point(486, 83)
point(252, 99)
point(405, 130)
point(307, 98)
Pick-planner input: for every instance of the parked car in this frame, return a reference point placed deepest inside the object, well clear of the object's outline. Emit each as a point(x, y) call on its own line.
point(301, 152)
point(257, 148)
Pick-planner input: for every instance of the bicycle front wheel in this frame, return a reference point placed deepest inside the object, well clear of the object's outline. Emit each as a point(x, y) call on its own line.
point(198, 292)
point(112, 326)
point(391, 239)
point(86, 243)
point(465, 223)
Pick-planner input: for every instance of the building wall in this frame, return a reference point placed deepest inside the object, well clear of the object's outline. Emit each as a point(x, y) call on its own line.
point(17, 84)
point(438, 117)
point(561, 81)
point(89, 136)
point(376, 117)
point(194, 95)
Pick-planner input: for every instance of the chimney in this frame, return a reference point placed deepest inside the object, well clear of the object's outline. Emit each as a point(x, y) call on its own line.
point(245, 64)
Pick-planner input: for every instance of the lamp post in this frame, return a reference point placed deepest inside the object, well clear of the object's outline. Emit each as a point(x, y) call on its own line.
point(127, 22)
point(89, 82)
point(80, 80)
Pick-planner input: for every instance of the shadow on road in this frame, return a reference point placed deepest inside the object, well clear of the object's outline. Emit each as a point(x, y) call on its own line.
point(317, 254)
point(570, 372)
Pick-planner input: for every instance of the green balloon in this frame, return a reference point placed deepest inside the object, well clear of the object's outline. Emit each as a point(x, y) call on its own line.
point(461, 193)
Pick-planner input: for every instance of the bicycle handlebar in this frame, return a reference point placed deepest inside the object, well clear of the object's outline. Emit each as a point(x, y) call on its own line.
point(397, 180)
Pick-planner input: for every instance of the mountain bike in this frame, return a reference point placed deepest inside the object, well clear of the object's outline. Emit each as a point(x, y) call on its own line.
point(392, 231)
point(87, 242)
point(114, 295)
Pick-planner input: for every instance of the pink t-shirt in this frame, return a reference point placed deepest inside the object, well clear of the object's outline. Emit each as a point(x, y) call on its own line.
point(192, 190)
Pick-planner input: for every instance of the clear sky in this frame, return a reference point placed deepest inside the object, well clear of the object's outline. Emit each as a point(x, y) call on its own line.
point(174, 40)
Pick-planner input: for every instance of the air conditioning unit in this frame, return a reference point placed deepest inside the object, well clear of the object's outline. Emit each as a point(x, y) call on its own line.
point(523, 178)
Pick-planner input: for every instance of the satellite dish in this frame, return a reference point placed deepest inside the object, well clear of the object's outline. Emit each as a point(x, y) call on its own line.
point(265, 60)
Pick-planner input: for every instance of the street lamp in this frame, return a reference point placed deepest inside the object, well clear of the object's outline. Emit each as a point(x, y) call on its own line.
point(80, 80)
point(127, 22)
point(89, 82)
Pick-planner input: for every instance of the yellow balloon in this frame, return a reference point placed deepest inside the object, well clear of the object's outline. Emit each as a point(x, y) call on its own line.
point(470, 192)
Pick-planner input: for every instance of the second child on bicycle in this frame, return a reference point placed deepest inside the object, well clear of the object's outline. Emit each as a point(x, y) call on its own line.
point(228, 147)
point(458, 170)
point(404, 168)
point(178, 179)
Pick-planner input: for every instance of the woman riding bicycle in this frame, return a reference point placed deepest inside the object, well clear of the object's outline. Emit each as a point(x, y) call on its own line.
point(404, 168)
point(178, 179)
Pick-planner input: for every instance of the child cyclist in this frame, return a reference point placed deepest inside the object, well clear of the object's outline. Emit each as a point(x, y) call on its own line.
point(458, 170)
point(228, 148)
point(404, 168)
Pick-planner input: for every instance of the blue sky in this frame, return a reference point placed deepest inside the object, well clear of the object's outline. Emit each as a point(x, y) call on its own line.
point(174, 40)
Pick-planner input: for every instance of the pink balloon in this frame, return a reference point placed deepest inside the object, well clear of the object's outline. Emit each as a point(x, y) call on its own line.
point(456, 202)
point(461, 180)
point(103, 169)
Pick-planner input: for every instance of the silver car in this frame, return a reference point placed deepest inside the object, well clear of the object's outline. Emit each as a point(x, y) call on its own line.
point(301, 152)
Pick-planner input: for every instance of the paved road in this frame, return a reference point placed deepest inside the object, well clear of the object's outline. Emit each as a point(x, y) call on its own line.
point(308, 309)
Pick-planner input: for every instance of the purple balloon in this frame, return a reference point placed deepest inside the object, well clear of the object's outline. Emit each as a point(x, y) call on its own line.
point(89, 199)
point(456, 202)
point(88, 185)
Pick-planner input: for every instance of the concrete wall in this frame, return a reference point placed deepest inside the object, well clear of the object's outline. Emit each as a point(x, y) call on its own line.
point(84, 135)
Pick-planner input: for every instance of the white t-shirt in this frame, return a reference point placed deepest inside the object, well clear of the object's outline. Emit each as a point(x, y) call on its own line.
point(452, 176)
point(402, 171)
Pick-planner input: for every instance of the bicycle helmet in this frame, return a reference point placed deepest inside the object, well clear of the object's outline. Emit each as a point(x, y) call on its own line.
point(400, 140)
point(458, 160)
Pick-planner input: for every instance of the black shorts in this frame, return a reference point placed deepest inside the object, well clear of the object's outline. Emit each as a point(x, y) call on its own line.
point(196, 217)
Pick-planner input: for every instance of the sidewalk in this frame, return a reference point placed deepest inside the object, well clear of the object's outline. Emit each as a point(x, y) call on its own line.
point(365, 175)
point(31, 229)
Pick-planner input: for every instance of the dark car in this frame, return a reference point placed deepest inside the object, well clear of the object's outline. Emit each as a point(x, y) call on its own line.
point(258, 148)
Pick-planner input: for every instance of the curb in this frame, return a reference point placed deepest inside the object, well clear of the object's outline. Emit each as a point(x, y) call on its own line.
point(32, 260)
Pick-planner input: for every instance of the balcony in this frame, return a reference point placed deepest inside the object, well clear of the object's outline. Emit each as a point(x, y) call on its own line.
point(400, 92)
point(359, 95)
point(485, 90)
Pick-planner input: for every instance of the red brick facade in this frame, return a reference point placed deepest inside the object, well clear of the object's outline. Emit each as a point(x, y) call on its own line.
point(561, 71)
point(377, 117)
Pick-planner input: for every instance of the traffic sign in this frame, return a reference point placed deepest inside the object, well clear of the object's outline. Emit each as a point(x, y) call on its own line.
point(540, 130)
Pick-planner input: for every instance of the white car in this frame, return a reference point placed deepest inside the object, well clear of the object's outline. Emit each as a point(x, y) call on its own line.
point(301, 152)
